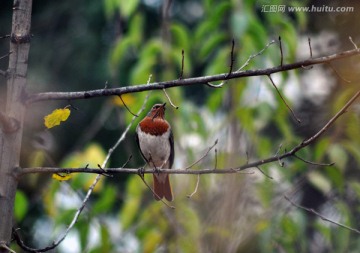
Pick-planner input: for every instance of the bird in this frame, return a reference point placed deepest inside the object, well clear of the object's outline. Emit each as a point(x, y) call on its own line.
point(155, 140)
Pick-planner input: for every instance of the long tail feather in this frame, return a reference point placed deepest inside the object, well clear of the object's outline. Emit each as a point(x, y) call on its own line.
point(162, 188)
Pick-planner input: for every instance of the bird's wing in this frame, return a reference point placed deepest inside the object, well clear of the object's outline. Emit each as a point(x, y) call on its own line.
point(172, 151)
point(138, 143)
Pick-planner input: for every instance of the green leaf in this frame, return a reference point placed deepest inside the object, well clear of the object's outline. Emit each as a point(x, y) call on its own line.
point(120, 52)
point(152, 241)
point(21, 205)
point(127, 8)
point(106, 201)
point(212, 43)
point(110, 6)
point(336, 177)
point(321, 148)
point(319, 181)
point(220, 64)
point(338, 155)
point(132, 202)
point(341, 236)
point(136, 32)
point(180, 37)
point(353, 149)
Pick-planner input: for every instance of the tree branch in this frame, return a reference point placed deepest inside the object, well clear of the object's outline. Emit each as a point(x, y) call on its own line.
point(187, 81)
point(310, 210)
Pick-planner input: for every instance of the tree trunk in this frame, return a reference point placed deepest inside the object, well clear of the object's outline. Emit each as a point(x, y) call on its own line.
point(12, 119)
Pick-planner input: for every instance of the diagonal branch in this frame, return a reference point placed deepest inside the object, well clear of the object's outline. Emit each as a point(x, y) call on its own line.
point(310, 210)
point(187, 81)
point(283, 99)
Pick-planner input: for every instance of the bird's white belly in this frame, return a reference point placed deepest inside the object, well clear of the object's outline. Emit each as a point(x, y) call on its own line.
point(155, 148)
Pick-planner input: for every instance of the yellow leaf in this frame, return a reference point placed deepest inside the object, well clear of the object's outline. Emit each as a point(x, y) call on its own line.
point(127, 98)
point(54, 118)
point(61, 177)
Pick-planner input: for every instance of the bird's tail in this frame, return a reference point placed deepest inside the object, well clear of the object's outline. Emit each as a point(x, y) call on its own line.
point(162, 187)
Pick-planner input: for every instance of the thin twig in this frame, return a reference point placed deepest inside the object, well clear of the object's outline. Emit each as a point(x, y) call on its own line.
point(307, 67)
point(171, 103)
point(4, 246)
point(281, 52)
point(182, 64)
point(338, 74)
point(292, 112)
point(103, 170)
point(215, 166)
point(351, 40)
point(255, 55)
point(220, 85)
point(231, 58)
point(279, 149)
point(312, 211)
point(206, 153)
point(196, 187)
point(6, 55)
point(310, 48)
point(313, 163)
point(266, 175)
point(127, 108)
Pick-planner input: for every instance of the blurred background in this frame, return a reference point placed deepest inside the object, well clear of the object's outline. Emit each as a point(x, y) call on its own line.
point(83, 45)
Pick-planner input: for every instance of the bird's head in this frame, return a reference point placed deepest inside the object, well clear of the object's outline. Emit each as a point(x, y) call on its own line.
point(157, 111)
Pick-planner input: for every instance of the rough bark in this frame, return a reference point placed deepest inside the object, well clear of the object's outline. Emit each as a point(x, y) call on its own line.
point(12, 120)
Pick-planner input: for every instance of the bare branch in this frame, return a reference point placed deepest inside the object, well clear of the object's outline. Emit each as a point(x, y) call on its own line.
point(255, 55)
point(312, 211)
point(168, 97)
point(281, 52)
point(231, 58)
point(127, 108)
point(182, 64)
point(282, 98)
point(351, 40)
point(6, 55)
point(220, 85)
point(189, 81)
point(4, 246)
point(313, 163)
point(196, 187)
point(266, 175)
point(206, 153)
point(310, 48)
point(337, 73)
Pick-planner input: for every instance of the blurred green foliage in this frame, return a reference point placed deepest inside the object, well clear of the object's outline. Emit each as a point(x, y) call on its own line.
point(125, 42)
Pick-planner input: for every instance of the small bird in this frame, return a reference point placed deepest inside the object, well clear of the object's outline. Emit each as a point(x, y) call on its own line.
point(156, 142)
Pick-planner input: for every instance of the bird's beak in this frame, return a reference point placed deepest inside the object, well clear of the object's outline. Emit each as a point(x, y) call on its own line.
point(163, 105)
